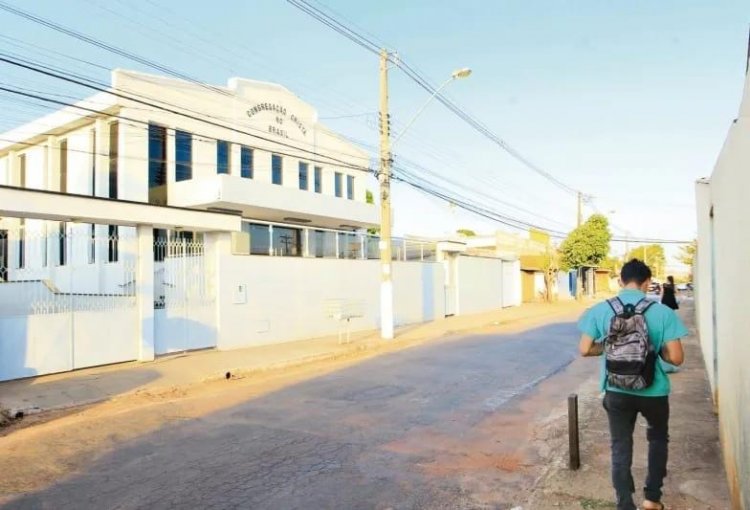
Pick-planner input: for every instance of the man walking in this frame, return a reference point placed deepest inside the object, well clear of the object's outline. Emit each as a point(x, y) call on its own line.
point(632, 332)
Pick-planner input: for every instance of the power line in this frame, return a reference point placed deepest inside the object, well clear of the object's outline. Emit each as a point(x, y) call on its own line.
point(164, 108)
point(420, 80)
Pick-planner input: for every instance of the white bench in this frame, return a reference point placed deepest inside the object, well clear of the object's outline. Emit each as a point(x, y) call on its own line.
point(344, 310)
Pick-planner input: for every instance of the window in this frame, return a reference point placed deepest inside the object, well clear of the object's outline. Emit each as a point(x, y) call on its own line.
point(183, 155)
point(64, 166)
point(260, 238)
point(113, 248)
point(157, 153)
point(222, 157)
point(338, 185)
point(21, 243)
point(318, 180)
point(303, 184)
point(62, 244)
point(350, 187)
point(277, 166)
point(22, 170)
point(114, 137)
point(92, 244)
point(246, 162)
point(92, 152)
point(287, 242)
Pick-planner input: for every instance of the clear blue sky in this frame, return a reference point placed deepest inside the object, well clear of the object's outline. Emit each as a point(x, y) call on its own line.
point(627, 101)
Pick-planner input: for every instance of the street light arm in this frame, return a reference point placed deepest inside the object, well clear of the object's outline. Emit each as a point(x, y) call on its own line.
point(419, 112)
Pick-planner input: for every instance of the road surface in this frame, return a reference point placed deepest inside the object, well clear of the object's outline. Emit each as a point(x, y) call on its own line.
point(448, 424)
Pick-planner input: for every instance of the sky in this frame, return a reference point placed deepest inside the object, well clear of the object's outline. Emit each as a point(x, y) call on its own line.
point(628, 102)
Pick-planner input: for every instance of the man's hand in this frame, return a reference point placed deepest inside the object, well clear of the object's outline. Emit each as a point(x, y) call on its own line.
point(587, 346)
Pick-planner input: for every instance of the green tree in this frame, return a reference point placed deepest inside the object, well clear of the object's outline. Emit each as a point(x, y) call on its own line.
point(652, 255)
point(465, 232)
point(587, 245)
point(614, 264)
point(687, 253)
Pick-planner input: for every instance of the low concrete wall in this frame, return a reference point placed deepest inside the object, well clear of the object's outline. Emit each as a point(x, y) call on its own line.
point(285, 297)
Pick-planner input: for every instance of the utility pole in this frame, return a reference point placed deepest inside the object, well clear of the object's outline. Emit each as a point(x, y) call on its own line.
point(580, 208)
point(384, 178)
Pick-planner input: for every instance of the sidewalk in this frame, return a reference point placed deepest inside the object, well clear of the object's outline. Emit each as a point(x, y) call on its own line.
point(168, 373)
point(696, 479)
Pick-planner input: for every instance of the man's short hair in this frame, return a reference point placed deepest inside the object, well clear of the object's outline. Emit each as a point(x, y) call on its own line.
point(635, 271)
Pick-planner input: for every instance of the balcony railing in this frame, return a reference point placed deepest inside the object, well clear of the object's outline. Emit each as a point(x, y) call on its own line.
point(273, 239)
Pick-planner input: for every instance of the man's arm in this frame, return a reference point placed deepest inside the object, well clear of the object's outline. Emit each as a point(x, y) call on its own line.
point(587, 346)
point(672, 352)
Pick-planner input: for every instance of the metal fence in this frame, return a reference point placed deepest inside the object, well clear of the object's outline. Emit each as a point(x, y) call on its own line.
point(54, 267)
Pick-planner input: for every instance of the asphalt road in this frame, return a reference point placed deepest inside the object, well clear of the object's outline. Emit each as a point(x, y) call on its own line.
point(419, 428)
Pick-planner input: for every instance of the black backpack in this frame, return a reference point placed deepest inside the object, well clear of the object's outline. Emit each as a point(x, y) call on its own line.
point(629, 354)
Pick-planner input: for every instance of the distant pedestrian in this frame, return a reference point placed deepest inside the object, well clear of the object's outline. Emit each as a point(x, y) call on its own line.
point(668, 295)
point(632, 332)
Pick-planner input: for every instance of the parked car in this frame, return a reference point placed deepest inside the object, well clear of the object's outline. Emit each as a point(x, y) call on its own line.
point(655, 288)
point(682, 287)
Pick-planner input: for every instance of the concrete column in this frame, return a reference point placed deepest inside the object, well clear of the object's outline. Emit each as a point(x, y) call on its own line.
point(218, 246)
point(145, 292)
point(12, 168)
point(52, 163)
point(101, 162)
point(234, 159)
point(101, 189)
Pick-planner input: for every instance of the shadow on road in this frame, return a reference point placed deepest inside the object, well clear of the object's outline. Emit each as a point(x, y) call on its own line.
point(441, 425)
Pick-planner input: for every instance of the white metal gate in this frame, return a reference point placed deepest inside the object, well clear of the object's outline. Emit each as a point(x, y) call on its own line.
point(185, 313)
point(67, 296)
point(451, 285)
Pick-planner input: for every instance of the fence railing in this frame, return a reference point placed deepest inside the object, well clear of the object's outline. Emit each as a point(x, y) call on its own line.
point(55, 267)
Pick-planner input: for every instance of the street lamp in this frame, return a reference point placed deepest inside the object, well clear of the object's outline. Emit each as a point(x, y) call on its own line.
point(384, 178)
point(458, 74)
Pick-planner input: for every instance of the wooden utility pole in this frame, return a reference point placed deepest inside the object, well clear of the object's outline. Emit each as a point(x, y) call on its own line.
point(384, 178)
point(580, 208)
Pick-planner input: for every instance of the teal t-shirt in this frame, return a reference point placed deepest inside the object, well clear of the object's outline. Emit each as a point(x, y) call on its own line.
point(664, 325)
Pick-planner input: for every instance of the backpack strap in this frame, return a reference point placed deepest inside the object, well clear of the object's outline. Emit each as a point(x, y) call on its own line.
point(643, 305)
point(617, 306)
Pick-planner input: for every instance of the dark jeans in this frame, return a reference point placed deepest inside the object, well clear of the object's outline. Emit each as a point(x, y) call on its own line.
point(622, 411)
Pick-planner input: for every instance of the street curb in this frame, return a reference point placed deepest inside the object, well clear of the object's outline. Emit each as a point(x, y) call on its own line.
point(368, 344)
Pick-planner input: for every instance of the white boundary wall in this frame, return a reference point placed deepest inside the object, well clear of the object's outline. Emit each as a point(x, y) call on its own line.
point(723, 300)
point(285, 298)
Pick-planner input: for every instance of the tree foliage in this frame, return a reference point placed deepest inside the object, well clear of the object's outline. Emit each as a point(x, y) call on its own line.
point(587, 245)
point(465, 232)
point(614, 264)
point(652, 255)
